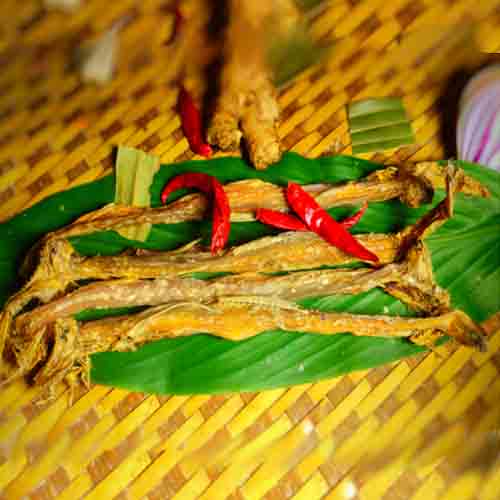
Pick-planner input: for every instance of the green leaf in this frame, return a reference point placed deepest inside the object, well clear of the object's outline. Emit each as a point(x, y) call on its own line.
point(382, 133)
point(382, 144)
point(465, 253)
point(371, 106)
point(378, 125)
point(376, 120)
point(134, 174)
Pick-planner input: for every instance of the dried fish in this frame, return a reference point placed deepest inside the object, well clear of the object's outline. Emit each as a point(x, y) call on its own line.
point(246, 196)
point(237, 318)
point(410, 280)
point(234, 318)
point(60, 265)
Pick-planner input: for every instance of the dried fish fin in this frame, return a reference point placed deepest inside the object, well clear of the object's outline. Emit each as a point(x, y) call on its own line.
point(56, 258)
point(432, 172)
point(435, 218)
point(47, 282)
point(417, 287)
point(62, 356)
point(44, 255)
point(383, 175)
point(43, 290)
point(417, 299)
point(28, 352)
point(64, 362)
point(6, 322)
point(416, 191)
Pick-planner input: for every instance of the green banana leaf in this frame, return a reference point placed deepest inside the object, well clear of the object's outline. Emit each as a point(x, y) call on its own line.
point(465, 254)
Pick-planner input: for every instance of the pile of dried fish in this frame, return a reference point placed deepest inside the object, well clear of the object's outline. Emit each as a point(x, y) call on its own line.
point(38, 334)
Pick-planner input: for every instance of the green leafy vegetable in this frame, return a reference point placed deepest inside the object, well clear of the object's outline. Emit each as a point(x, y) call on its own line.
point(379, 124)
point(465, 253)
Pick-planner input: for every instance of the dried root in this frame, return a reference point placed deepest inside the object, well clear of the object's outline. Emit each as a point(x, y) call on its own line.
point(247, 102)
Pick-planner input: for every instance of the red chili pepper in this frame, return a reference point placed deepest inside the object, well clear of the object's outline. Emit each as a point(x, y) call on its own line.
point(191, 124)
point(280, 220)
point(319, 220)
point(351, 221)
point(293, 223)
point(221, 211)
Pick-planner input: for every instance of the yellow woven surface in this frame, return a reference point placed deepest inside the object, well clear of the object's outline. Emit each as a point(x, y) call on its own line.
point(382, 433)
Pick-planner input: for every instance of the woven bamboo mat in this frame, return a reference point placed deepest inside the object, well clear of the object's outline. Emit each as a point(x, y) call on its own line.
point(382, 433)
